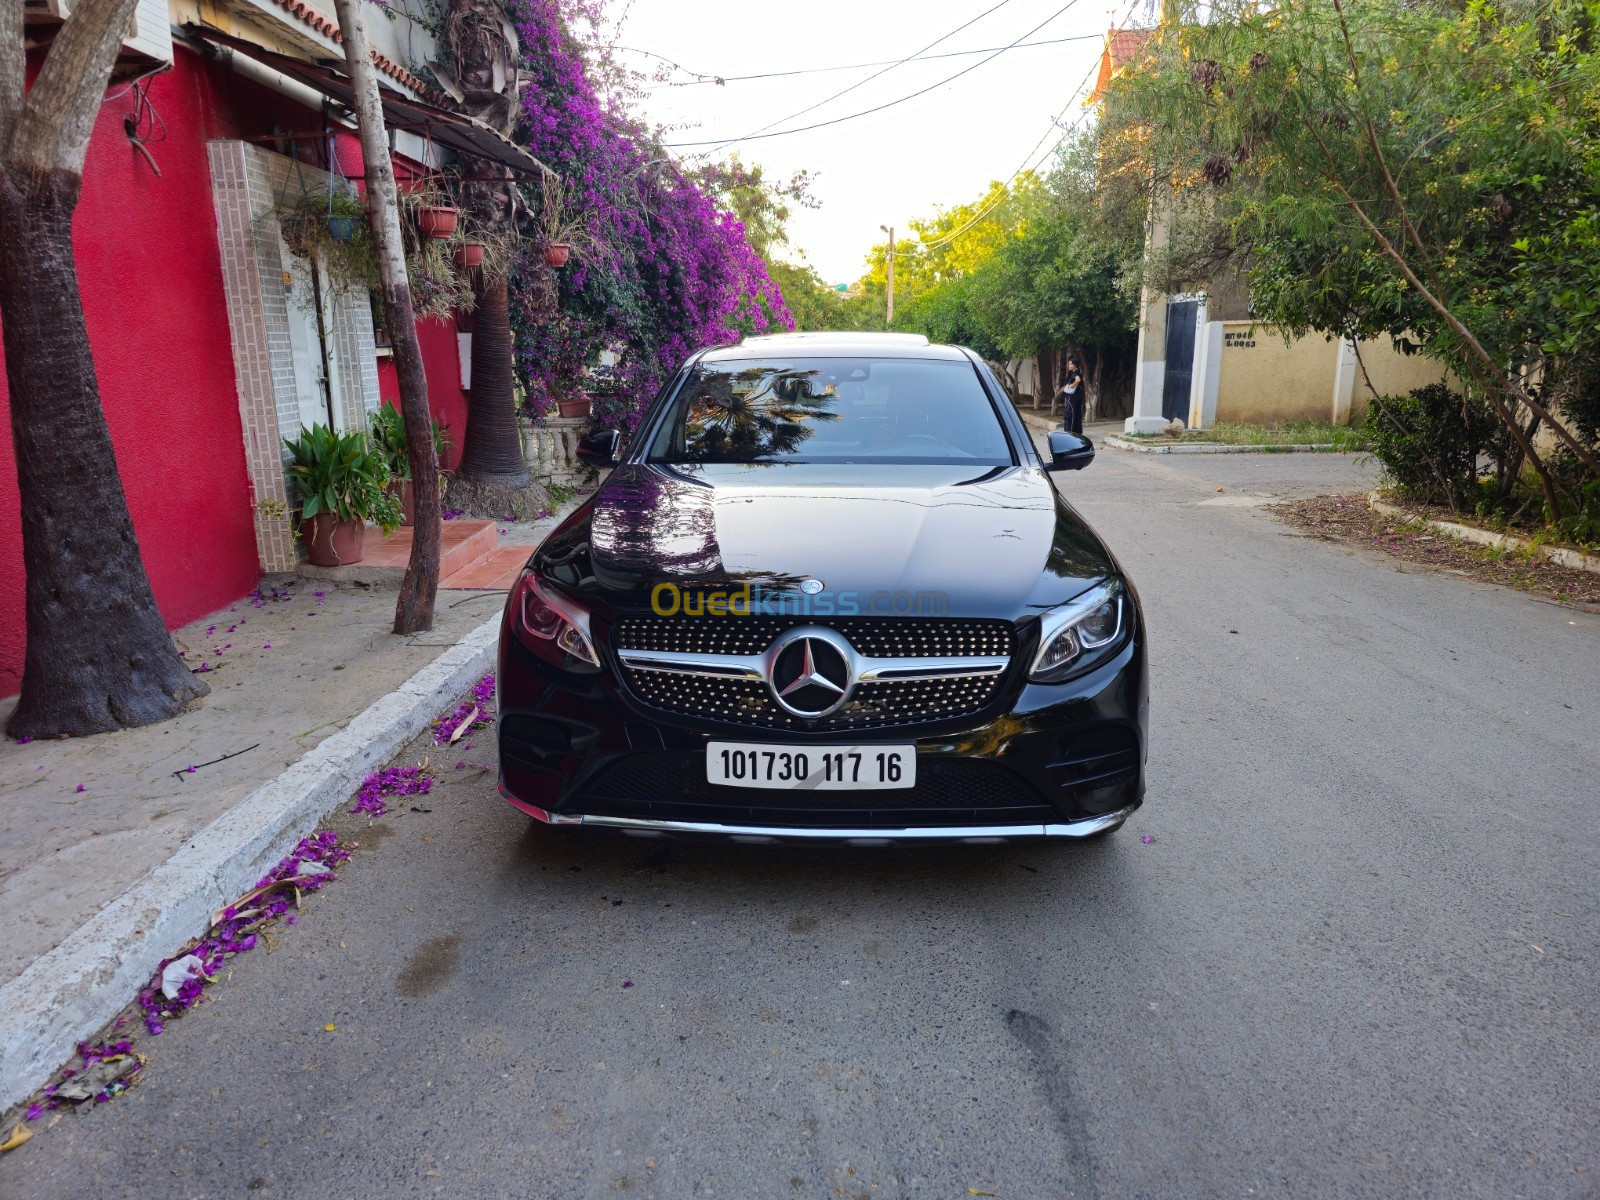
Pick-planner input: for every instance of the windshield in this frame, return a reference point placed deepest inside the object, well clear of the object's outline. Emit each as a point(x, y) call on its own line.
point(832, 410)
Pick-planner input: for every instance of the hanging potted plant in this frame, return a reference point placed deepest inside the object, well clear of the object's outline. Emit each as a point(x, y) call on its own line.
point(437, 221)
point(333, 231)
point(469, 255)
point(389, 439)
point(562, 230)
point(342, 481)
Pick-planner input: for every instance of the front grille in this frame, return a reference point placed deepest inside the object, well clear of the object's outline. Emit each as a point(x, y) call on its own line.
point(876, 638)
point(948, 792)
point(874, 705)
point(748, 702)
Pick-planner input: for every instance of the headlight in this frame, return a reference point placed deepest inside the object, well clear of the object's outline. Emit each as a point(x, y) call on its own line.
point(553, 627)
point(1080, 632)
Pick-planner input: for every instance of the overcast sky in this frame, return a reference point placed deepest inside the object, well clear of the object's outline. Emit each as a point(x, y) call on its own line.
point(938, 149)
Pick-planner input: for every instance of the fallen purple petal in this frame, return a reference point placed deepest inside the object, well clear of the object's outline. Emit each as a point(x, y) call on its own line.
point(1147, 839)
point(380, 786)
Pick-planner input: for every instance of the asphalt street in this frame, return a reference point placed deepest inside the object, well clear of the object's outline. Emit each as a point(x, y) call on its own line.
point(1348, 947)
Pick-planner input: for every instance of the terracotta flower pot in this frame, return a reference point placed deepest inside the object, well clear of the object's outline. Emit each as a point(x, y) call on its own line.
point(556, 254)
point(436, 222)
point(402, 491)
point(573, 406)
point(470, 255)
point(331, 542)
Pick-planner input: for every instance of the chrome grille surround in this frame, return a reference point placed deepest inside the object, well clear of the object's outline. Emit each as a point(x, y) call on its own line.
point(676, 670)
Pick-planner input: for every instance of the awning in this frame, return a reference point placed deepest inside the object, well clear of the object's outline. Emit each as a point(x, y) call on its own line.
point(455, 131)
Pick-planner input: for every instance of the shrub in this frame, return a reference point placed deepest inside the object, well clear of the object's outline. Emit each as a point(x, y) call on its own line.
point(1429, 441)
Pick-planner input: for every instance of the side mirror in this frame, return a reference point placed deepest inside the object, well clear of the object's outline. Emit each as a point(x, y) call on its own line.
point(599, 449)
point(1068, 451)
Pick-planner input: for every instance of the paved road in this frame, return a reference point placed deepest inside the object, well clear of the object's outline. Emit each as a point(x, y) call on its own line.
point(1358, 958)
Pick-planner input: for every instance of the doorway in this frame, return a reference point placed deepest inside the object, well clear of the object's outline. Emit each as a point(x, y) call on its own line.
point(308, 301)
point(1179, 375)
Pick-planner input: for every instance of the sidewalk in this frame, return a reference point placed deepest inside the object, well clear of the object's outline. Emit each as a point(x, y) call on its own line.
point(1095, 431)
point(92, 822)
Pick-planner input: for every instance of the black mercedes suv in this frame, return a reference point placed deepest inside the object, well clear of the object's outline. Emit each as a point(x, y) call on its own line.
point(828, 590)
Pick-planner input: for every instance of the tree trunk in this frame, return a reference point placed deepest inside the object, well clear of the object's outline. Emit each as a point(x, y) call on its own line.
point(491, 450)
point(414, 611)
point(99, 656)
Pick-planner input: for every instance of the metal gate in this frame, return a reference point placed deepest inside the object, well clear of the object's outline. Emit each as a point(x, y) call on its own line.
point(1179, 375)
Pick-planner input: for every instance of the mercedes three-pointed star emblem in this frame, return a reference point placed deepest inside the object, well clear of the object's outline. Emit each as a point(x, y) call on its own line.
point(810, 672)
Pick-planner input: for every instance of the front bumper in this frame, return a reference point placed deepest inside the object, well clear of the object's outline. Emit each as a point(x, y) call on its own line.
point(1059, 761)
point(975, 835)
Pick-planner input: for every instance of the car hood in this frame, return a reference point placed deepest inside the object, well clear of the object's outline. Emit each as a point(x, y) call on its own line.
point(979, 541)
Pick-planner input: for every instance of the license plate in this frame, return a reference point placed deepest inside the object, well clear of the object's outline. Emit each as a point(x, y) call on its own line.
point(811, 768)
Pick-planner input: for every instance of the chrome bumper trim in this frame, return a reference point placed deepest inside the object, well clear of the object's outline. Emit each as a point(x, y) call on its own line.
point(980, 834)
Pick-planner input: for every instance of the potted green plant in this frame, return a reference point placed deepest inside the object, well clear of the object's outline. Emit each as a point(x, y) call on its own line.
point(469, 255)
point(342, 481)
point(389, 437)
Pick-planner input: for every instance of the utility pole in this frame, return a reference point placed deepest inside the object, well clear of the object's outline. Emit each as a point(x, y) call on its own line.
point(889, 320)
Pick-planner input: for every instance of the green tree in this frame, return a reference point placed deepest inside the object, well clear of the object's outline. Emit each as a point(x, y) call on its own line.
point(1426, 171)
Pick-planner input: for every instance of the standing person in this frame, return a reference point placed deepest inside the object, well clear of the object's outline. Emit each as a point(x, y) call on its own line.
point(1072, 397)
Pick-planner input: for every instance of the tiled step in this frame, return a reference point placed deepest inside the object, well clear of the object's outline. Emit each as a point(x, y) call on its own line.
point(461, 543)
point(494, 572)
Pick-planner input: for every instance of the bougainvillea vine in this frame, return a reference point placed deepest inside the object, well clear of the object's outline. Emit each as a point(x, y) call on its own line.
point(663, 270)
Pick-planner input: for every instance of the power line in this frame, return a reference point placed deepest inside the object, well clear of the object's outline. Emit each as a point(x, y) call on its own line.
point(704, 80)
point(862, 82)
point(1028, 160)
point(899, 62)
point(761, 135)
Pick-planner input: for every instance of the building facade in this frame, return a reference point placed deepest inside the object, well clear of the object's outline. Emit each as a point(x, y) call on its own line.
point(213, 341)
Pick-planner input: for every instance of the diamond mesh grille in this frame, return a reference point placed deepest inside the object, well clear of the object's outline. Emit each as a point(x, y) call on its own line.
point(873, 706)
point(873, 637)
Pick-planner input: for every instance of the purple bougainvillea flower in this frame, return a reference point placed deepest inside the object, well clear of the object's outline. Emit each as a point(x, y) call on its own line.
point(80, 788)
point(1147, 839)
point(268, 646)
point(35, 1111)
point(190, 768)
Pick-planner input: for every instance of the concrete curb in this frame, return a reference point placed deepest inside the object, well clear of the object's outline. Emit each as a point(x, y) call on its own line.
point(1560, 555)
point(73, 991)
point(1193, 448)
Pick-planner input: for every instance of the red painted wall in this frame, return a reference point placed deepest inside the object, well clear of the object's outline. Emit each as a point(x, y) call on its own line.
point(151, 279)
point(442, 362)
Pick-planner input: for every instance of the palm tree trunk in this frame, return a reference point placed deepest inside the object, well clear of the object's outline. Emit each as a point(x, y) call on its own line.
point(491, 449)
point(99, 656)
